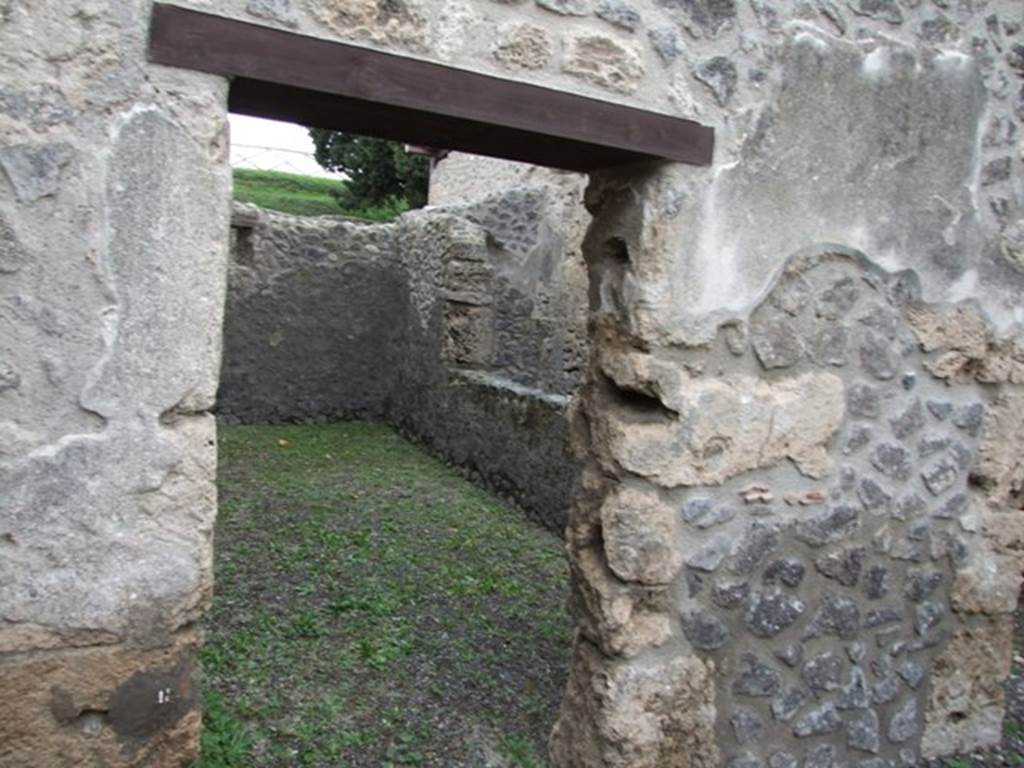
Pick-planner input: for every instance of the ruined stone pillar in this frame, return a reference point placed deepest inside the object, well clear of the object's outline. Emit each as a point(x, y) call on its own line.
point(114, 198)
point(798, 537)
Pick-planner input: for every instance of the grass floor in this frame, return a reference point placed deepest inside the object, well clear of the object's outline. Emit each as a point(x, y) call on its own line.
point(375, 609)
point(299, 195)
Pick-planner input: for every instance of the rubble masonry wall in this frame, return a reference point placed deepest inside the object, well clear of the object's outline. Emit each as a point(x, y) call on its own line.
point(869, 150)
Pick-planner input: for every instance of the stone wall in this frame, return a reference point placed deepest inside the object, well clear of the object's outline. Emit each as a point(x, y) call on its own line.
point(463, 335)
point(835, 546)
point(486, 376)
point(315, 318)
point(555, 286)
point(113, 241)
point(872, 141)
point(788, 524)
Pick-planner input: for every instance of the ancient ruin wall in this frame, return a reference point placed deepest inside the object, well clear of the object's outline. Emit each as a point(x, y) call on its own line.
point(459, 179)
point(314, 322)
point(433, 323)
point(113, 242)
point(887, 132)
point(790, 544)
point(487, 377)
point(799, 495)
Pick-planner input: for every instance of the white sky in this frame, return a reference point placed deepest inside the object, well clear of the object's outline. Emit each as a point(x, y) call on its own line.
point(272, 146)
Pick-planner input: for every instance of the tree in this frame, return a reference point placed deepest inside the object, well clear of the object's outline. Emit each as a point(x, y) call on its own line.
point(380, 173)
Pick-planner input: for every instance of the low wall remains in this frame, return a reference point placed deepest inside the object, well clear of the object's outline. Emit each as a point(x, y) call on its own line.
point(464, 326)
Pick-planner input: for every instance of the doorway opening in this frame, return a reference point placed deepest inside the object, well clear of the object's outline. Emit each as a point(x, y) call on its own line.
point(373, 605)
point(465, 371)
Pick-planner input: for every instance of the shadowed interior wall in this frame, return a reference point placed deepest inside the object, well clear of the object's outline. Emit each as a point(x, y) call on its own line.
point(469, 337)
point(316, 318)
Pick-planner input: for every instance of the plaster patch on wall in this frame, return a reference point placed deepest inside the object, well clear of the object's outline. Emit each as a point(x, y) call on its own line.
point(74, 514)
point(789, 189)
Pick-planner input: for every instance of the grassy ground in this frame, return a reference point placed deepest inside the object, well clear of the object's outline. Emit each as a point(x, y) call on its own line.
point(375, 609)
point(299, 195)
point(287, 192)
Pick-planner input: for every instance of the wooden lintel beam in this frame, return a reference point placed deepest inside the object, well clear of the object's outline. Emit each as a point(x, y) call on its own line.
point(335, 85)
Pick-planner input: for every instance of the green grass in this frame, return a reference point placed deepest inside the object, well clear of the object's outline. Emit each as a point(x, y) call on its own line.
point(519, 751)
point(375, 609)
point(226, 741)
point(287, 192)
point(301, 195)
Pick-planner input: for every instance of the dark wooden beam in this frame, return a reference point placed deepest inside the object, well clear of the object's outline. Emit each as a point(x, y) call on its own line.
point(277, 102)
point(321, 83)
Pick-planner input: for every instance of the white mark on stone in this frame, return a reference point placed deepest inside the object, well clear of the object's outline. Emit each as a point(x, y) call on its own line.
point(51, 450)
point(953, 60)
point(876, 63)
point(715, 258)
point(820, 36)
point(807, 38)
point(965, 287)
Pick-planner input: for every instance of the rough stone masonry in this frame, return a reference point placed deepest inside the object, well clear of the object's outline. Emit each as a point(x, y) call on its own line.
point(796, 537)
point(469, 337)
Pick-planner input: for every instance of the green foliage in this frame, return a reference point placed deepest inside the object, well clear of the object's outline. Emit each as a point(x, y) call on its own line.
point(306, 624)
point(519, 751)
point(303, 195)
point(225, 740)
point(381, 174)
point(288, 192)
